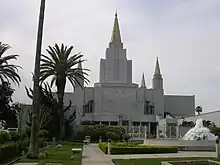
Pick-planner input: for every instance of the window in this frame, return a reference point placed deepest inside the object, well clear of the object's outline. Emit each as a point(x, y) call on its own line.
point(89, 107)
point(148, 108)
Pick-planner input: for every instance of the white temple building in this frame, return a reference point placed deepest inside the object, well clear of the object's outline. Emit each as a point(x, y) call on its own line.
point(116, 100)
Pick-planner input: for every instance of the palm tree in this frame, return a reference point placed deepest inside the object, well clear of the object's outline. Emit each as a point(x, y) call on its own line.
point(33, 146)
point(61, 66)
point(8, 71)
point(198, 110)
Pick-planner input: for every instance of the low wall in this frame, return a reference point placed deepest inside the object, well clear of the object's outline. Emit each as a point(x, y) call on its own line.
point(184, 145)
point(191, 162)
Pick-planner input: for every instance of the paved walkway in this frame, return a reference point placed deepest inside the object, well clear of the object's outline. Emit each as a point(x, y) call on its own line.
point(173, 155)
point(92, 155)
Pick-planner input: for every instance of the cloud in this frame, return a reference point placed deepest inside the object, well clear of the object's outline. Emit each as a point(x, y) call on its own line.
point(183, 34)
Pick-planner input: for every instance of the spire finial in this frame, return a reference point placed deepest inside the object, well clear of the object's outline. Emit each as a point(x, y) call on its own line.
point(143, 85)
point(116, 36)
point(157, 68)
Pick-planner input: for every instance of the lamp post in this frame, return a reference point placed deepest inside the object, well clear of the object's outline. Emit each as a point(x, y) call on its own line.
point(119, 120)
point(157, 128)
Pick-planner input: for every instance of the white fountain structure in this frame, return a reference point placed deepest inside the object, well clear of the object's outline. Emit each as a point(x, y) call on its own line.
point(199, 132)
point(198, 138)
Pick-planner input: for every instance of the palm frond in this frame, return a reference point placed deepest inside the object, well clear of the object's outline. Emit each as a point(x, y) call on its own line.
point(8, 72)
point(61, 64)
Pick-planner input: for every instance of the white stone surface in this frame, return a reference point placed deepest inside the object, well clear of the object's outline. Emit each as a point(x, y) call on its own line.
point(199, 132)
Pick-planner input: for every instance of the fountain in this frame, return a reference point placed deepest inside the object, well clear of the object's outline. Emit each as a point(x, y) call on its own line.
point(197, 138)
point(199, 132)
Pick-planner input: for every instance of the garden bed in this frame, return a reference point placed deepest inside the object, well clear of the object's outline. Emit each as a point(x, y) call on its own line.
point(134, 148)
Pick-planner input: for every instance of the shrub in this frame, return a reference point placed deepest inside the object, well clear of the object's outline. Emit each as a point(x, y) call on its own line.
point(113, 136)
point(103, 131)
point(14, 136)
point(10, 150)
point(215, 130)
point(23, 136)
point(43, 134)
point(4, 137)
point(134, 148)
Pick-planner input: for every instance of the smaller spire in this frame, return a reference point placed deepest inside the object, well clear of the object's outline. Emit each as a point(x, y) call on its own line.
point(81, 81)
point(157, 68)
point(143, 85)
point(116, 36)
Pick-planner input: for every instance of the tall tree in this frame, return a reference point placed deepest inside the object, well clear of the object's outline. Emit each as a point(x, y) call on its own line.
point(47, 103)
point(8, 72)
point(48, 107)
point(198, 110)
point(7, 111)
point(33, 150)
point(62, 66)
point(49, 113)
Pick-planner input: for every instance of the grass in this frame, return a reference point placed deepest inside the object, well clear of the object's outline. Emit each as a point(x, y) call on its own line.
point(152, 161)
point(59, 155)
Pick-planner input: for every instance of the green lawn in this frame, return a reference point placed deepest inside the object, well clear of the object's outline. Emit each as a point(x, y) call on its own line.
point(151, 161)
point(59, 155)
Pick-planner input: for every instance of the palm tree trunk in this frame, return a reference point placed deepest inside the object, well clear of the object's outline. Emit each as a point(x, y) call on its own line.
point(33, 146)
point(60, 94)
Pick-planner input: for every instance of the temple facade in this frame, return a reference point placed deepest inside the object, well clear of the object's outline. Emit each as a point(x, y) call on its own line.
point(116, 100)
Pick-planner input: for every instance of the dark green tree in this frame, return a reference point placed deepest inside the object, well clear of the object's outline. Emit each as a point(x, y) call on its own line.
point(49, 111)
point(48, 104)
point(7, 112)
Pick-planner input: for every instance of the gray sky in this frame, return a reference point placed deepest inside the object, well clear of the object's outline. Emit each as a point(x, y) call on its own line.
point(184, 34)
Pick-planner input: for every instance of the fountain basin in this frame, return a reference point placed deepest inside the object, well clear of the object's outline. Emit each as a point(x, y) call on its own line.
point(184, 145)
point(191, 162)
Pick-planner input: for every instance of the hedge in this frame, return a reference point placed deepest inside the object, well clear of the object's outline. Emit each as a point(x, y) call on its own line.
point(11, 136)
point(134, 148)
point(10, 150)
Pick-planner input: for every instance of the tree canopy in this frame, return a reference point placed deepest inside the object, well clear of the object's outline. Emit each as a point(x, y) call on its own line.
point(8, 71)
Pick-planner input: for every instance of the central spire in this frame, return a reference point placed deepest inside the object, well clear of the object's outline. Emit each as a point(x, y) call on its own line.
point(157, 68)
point(116, 36)
point(143, 85)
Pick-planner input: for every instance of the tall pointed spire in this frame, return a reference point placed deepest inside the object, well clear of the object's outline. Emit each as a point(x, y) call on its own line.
point(157, 78)
point(157, 68)
point(116, 36)
point(143, 85)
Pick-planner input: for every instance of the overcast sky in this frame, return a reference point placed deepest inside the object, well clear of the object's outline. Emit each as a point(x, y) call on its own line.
point(184, 34)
